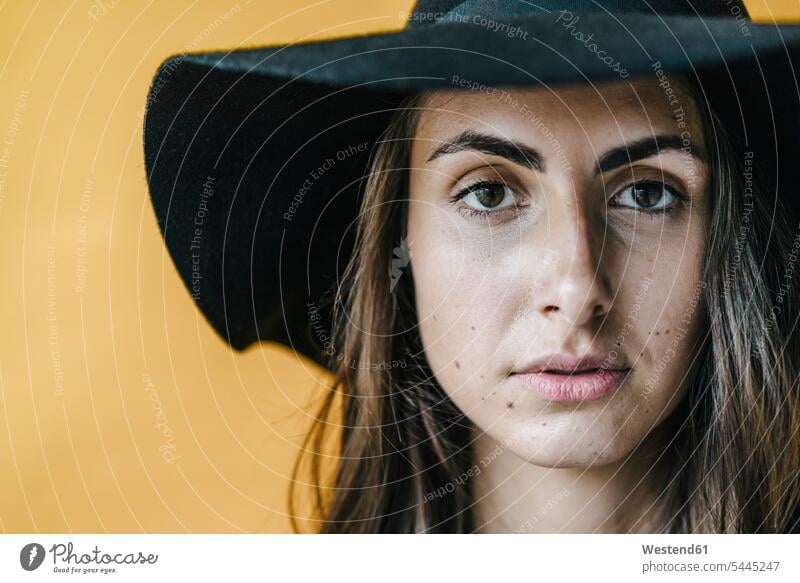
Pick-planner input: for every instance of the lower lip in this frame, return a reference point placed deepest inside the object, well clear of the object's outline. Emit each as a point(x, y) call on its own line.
point(584, 386)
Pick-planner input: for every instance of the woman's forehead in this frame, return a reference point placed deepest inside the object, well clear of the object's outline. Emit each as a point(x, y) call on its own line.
point(644, 104)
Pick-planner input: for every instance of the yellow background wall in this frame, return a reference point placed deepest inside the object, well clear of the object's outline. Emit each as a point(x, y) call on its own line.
point(120, 410)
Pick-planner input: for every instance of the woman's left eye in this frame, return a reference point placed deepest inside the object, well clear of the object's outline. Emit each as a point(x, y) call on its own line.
point(649, 196)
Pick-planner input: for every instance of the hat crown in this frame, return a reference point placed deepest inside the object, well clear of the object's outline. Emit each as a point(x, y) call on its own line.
point(428, 12)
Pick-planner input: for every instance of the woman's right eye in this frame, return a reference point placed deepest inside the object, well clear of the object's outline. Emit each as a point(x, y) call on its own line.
point(486, 197)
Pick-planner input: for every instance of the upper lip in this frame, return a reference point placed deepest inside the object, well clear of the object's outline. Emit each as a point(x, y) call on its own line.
point(567, 363)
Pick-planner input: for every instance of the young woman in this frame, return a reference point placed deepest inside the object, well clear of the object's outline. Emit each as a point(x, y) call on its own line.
point(573, 231)
point(568, 307)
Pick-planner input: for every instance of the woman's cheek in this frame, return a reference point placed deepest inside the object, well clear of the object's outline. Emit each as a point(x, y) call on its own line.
point(672, 325)
point(464, 305)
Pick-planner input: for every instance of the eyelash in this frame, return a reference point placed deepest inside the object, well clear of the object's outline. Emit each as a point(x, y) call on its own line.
point(472, 212)
point(680, 198)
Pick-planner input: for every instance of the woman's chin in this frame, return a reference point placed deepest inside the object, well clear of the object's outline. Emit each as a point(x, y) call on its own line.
point(567, 447)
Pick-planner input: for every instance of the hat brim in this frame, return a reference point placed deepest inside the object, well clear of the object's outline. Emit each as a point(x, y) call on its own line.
point(255, 158)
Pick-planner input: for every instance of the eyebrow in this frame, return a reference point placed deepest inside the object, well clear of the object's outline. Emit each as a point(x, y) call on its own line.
point(516, 152)
point(645, 148)
point(524, 155)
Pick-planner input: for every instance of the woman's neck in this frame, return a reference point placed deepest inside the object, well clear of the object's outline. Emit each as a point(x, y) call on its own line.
point(513, 495)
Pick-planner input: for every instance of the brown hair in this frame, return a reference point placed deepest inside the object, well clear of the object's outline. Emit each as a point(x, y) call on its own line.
point(736, 446)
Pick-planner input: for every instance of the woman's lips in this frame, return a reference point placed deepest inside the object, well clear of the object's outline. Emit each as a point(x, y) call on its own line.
point(584, 385)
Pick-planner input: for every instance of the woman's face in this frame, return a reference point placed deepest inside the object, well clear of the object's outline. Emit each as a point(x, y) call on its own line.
point(568, 222)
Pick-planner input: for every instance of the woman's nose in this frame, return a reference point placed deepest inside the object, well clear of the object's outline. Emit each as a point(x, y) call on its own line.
point(573, 284)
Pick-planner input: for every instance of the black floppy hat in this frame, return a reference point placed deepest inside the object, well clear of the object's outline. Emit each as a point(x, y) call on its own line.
point(255, 158)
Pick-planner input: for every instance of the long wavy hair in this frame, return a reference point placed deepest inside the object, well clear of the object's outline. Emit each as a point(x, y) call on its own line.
point(736, 444)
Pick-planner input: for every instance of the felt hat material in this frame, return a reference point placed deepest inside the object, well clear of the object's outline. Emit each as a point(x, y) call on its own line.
point(255, 158)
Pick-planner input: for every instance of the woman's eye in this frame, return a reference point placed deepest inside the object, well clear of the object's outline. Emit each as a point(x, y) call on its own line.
point(488, 196)
point(648, 196)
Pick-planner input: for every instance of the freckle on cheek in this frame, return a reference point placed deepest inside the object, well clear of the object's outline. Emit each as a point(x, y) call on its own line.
point(457, 364)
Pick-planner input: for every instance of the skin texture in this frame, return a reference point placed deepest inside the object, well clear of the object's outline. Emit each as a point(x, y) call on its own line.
point(573, 264)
